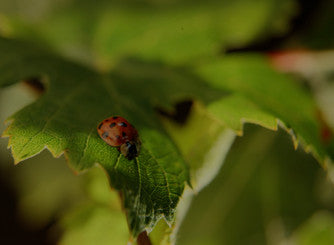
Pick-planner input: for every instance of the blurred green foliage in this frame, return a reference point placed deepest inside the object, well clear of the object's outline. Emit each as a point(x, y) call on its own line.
point(155, 53)
point(263, 195)
point(172, 31)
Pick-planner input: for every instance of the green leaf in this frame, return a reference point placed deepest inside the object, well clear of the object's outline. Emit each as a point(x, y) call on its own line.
point(94, 224)
point(263, 96)
point(205, 150)
point(173, 31)
point(64, 120)
point(242, 76)
point(264, 192)
point(319, 229)
point(96, 220)
point(183, 31)
point(50, 183)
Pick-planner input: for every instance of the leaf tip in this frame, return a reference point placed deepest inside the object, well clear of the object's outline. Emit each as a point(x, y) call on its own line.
point(16, 160)
point(240, 132)
point(189, 183)
point(290, 131)
point(5, 134)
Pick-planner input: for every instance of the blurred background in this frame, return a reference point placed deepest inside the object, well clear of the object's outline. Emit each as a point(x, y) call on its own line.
point(265, 193)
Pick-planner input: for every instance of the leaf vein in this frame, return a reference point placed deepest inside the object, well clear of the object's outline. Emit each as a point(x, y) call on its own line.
point(139, 189)
point(165, 177)
point(52, 116)
point(117, 161)
point(86, 145)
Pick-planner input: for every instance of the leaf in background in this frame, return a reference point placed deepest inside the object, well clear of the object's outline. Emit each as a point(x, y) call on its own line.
point(204, 142)
point(66, 116)
point(257, 94)
point(261, 95)
point(315, 68)
point(94, 224)
point(184, 31)
point(174, 32)
point(98, 219)
point(318, 229)
point(263, 193)
point(44, 196)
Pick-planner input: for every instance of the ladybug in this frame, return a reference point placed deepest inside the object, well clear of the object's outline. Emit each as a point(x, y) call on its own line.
point(118, 132)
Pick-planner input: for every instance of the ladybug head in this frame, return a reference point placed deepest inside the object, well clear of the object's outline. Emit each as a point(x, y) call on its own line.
point(130, 149)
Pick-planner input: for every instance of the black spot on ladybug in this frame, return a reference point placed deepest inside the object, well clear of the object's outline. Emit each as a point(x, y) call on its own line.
point(114, 117)
point(100, 125)
point(123, 124)
point(123, 134)
point(112, 125)
point(105, 135)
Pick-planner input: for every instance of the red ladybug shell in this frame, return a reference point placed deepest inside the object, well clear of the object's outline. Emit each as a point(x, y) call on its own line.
point(116, 131)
